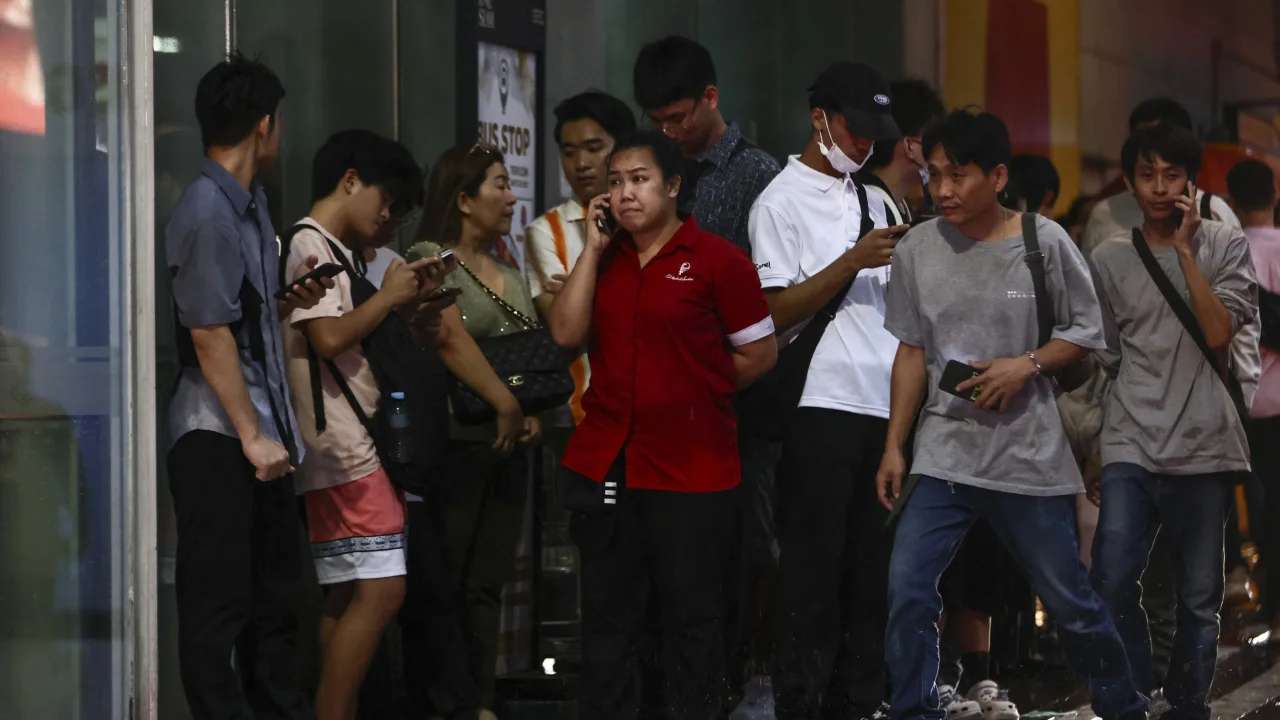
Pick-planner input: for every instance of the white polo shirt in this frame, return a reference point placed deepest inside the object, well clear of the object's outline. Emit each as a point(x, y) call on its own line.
point(802, 222)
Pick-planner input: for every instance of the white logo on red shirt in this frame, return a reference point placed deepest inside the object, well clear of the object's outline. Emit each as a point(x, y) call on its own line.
point(684, 268)
point(681, 277)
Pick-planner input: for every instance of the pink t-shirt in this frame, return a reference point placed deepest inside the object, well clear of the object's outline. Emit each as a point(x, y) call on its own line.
point(1264, 246)
point(344, 451)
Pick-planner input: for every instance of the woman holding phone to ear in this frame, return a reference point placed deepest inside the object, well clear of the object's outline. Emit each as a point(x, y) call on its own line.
point(675, 322)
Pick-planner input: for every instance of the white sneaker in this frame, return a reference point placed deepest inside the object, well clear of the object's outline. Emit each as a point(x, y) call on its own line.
point(993, 701)
point(956, 706)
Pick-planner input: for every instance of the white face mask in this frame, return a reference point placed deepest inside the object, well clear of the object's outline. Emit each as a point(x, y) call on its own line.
point(834, 155)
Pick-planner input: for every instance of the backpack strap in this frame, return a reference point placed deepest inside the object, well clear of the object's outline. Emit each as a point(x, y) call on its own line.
point(1187, 317)
point(1206, 210)
point(1035, 263)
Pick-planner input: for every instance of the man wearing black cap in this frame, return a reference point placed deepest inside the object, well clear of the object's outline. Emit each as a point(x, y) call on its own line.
point(818, 240)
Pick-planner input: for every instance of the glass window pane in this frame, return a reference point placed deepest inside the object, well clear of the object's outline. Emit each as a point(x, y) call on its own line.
point(62, 421)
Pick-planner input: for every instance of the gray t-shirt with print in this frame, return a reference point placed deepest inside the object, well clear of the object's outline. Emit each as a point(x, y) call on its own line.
point(1166, 411)
point(965, 300)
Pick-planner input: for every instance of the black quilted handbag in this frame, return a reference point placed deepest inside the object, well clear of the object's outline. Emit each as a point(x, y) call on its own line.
point(535, 369)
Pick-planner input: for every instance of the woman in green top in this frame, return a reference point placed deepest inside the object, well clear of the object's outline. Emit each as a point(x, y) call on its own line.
point(479, 509)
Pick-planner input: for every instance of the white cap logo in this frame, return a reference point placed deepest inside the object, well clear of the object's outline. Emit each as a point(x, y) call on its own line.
point(684, 268)
point(881, 99)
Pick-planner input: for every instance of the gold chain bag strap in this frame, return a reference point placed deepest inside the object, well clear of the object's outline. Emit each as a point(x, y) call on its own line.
point(532, 366)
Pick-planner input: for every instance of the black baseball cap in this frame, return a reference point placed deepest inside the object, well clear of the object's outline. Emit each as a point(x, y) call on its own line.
point(862, 96)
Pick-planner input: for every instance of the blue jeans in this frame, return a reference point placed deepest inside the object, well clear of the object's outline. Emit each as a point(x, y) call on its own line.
point(1137, 504)
point(1040, 532)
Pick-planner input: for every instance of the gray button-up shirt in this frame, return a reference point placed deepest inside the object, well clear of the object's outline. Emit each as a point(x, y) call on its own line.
point(221, 235)
point(727, 178)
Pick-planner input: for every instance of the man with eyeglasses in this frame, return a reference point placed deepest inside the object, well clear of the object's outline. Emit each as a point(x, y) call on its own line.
point(675, 85)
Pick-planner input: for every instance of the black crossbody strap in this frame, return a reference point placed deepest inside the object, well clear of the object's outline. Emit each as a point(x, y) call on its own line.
point(1206, 210)
point(1187, 317)
point(1035, 262)
point(828, 311)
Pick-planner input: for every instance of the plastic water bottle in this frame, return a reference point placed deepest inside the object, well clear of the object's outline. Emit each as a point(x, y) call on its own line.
point(401, 424)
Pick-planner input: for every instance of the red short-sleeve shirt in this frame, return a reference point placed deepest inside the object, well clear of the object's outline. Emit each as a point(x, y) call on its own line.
point(662, 377)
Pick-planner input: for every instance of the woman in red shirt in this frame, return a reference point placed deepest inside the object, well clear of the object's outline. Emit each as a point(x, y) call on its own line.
point(675, 323)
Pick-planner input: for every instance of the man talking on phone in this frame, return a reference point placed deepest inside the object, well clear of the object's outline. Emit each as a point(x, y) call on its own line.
point(1175, 292)
point(962, 291)
point(819, 237)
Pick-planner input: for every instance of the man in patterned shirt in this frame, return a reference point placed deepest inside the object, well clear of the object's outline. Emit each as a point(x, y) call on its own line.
point(675, 85)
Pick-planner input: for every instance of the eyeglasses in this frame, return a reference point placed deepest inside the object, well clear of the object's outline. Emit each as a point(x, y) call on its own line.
point(676, 120)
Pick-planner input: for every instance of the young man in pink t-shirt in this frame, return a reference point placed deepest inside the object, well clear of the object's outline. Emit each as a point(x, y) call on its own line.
point(1252, 187)
point(355, 516)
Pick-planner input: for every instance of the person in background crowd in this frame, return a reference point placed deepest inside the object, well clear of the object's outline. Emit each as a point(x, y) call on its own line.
point(1025, 490)
point(480, 508)
point(1172, 440)
point(587, 126)
point(677, 323)
point(234, 434)
point(355, 517)
point(897, 167)
point(1252, 188)
point(1117, 215)
point(1038, 183)
point(814, 230)
point(675, 85)
point(1077, 216)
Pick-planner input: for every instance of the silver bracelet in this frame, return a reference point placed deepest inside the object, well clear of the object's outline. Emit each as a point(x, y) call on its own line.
point(1036, 362)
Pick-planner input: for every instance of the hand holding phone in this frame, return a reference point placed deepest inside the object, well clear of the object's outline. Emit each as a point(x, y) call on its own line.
point(956, 373)
point(875, 249)
point(321, 273)
point(600, 223)
point(1187, 215)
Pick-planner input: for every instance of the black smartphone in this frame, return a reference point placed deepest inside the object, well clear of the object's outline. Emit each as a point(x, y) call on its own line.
point(327, 270)
point(444, 292)
point(955, 373)
point(606, 224)
point(1186, 192)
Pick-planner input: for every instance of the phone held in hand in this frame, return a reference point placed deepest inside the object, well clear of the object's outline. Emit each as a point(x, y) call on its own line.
point(955, 373)
point(450, 291)
point(328, 270)
point(1186, 192)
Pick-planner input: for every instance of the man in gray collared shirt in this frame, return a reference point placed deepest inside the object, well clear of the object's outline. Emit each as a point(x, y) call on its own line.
point(233, 433)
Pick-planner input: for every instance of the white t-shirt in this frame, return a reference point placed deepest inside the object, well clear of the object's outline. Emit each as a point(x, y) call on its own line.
point(802, 222)
point(377, 267)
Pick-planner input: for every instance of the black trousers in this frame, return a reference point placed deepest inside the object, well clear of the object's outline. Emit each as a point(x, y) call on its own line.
point(238, 571)
point(437, 671)
point(653, 547)
point(833, 572)
point(462, 542)
point(1266, 467)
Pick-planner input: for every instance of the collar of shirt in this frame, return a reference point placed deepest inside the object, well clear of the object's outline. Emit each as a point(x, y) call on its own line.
point(720, 153)
point(820, 181)
point(240, 198)
point(572, 211)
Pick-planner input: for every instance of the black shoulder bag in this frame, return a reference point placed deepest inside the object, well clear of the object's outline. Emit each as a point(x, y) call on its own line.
point(1188, 319)
point(532, 366)
point(768, 405)
point(1078, 372)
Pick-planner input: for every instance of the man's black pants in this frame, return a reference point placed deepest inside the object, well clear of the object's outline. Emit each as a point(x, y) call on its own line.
point(238, 572)
point(662, 547)
point(833, 573)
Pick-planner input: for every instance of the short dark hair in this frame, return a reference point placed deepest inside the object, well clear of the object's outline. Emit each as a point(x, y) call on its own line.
point(916, 106)
point(361, 150)
point(968, 136)
point(666, 152)
point(608, 111)
point(1036, 179)
point(406, 183)
point(672, 69)
point(1252, 185)
point(460, 169)
point(1172, 143)
point(233, 97)
point(1159, 110)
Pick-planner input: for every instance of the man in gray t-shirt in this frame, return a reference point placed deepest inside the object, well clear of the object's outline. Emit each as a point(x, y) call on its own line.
point(960, 289)
point(1173, 442)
